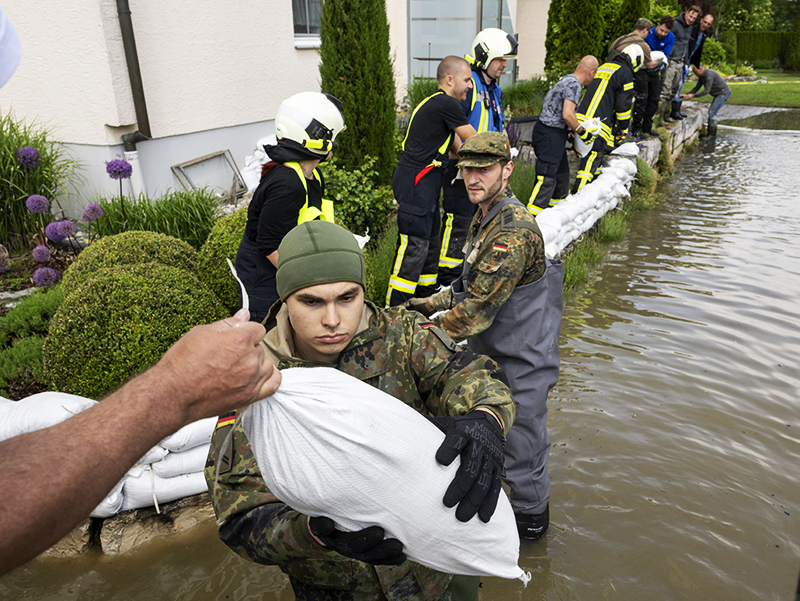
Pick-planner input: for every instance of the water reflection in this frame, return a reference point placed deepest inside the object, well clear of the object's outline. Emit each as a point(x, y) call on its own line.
point(778, 120)
point(674, 425)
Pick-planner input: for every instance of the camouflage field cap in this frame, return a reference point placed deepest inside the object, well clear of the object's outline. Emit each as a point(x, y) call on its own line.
point(484, 149)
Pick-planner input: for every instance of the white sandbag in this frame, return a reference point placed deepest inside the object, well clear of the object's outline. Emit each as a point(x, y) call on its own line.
point(625, 164)
point(629, 149)
point(112, 504)
point(331, 445)
point(40, 411)
point(155, 454)
point(185, 462)
point(6, 404)
point(139, 491)
point(190, 436)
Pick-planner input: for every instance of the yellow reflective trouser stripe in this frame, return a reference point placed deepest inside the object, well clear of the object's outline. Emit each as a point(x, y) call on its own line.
point(555, 201)
point(427, 279)
point(395, 282)
point(444, 260)
point(534, 210)
point(623, 116)
point(415, 112)
point(536, 188)
point(402, 285)
point(586, 174)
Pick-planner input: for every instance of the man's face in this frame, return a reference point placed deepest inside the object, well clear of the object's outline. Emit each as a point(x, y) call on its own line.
point(485, 183)
point(706, 22)
point(496, 68)
point(325, 319)
point(691, 17)
point(462, 83)
point(661, 31)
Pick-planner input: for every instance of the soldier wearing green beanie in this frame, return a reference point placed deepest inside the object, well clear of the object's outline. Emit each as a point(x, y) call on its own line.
point(322, 319)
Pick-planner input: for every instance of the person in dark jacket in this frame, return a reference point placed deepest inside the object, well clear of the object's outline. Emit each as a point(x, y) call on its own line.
point(711, 83)
point(703, 33)
point(685, 31)
point(290, 191)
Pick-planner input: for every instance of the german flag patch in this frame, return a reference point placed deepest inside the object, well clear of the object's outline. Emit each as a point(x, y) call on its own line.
point(501, 247)
point(427, 325)
point(226, 420)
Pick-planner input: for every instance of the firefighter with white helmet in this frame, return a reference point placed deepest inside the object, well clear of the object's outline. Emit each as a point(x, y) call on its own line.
point(608, 99)
point(290, 191)
point(483, 107)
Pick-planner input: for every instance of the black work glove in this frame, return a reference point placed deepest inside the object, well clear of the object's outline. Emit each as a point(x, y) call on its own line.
point(479, 439)
point(420, 305)
point(367, 545)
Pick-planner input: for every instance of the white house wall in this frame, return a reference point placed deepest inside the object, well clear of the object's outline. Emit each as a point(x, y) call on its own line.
point(531, 25)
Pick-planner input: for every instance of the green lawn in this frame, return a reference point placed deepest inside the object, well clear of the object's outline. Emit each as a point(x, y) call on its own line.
point(781, 90)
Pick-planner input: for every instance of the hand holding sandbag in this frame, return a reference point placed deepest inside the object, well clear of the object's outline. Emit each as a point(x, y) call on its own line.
point(420, 305)
point(367, 545)
point(479, 439)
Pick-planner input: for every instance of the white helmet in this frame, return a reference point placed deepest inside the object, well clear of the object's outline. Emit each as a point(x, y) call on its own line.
point(636, 54)
point(490, 44)
point(312, 120)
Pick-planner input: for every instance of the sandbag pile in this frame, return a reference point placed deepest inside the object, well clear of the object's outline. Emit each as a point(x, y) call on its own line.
point(568, 219)
point(330, 445)
point(171, 470)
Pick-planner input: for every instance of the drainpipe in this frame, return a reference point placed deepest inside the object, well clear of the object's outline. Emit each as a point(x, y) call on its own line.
point(143, 133)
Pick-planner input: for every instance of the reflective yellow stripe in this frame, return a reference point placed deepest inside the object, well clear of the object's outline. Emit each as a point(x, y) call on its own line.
point(402, 285)
point(623, 116)
point(444, 260)
point(427, 279)
point(627, 86)
point(307, 213)
point(443, 148)
point(534, 210)
point(536, 188)
point(555, 201)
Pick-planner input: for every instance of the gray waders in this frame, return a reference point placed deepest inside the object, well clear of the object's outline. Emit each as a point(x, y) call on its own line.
point(523, 339)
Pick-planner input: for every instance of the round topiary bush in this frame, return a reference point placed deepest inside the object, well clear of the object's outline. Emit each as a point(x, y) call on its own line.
point(222, 243)
point(129, 248)
point(119, 322)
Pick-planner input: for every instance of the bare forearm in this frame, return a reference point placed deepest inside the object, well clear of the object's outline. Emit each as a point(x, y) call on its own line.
point(45, 496)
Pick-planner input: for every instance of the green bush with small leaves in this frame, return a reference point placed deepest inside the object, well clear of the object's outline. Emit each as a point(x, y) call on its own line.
point(361, 205)
point(378, 257)
point(129, 248)
point(31, 316)
point(222, 243)
point(119, 322)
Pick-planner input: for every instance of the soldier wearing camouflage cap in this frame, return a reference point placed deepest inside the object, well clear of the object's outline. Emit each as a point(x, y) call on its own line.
point(507, 304)
point(322, 319)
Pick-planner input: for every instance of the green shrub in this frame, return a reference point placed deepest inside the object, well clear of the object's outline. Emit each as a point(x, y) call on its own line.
point(360, 205)
point(121, 321)
point(713, 52)
point(129, 248)
point(745, 70)
point(522, 180)
point(762, 45)
point(582, 24)
point(222, 243)
point(525, 97)
point(31, 316)
point(21, 364)
point(419, 89)
point(724, 69)
point(50, 178)
point(792, 58)
point(186, 215)
point(356, 67)
point(379, 256)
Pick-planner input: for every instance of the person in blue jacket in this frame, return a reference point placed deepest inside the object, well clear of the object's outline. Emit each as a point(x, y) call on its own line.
point(489, 54)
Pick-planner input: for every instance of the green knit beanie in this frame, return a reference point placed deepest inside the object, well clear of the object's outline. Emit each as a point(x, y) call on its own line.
point(318, 252)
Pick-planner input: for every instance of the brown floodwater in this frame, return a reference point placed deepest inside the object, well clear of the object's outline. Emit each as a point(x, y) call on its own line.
point(675, 464)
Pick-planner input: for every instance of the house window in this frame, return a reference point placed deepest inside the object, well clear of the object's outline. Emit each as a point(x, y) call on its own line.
point(306, 17)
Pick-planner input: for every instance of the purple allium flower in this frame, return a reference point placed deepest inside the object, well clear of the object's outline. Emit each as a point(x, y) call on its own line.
point(28, 157)
point(67, 228)
point(44, 276)
point(92, 213)
point(53, 232)
point(119, 169)
point(37, 204)
point(41, 254)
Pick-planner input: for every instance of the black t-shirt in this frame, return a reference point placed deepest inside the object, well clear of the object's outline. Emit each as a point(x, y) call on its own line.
point(276, 205)
point(431, 126)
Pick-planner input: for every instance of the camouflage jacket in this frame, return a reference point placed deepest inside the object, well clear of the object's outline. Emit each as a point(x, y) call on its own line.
point(400, 353)
point(501, 260)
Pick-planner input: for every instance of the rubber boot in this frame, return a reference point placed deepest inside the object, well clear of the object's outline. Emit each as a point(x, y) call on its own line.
point(676, 115)
point(663, 111)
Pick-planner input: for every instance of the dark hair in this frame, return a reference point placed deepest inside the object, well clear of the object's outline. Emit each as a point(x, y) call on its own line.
point(694, 9)
point(668, 21)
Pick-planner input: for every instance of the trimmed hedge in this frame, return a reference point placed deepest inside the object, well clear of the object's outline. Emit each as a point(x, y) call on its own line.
point(129, 248)
point(762, 45)
point(119, 322)
point(222, 243)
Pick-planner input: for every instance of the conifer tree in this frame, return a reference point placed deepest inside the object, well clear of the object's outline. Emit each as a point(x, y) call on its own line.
point(628, 13)
point(793, 51)
point(581, 29)
point(355, 67)
point(553, 37)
